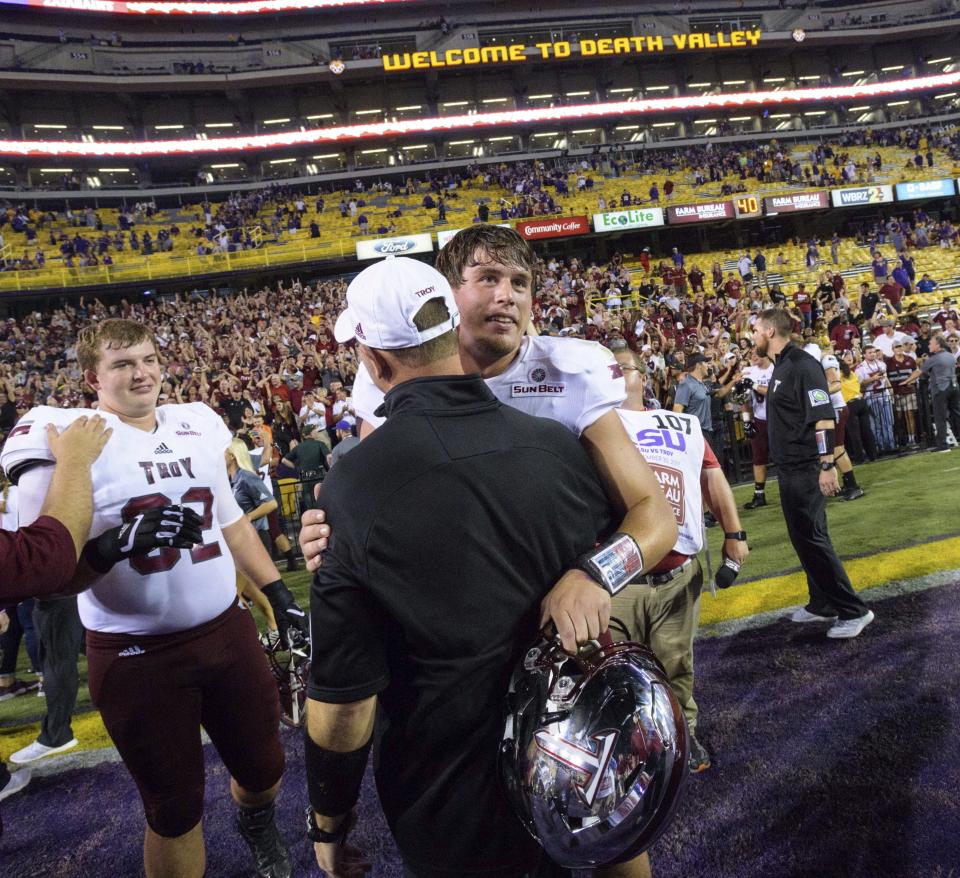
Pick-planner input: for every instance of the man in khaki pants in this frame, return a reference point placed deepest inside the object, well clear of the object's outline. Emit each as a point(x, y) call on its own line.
point(663, 610)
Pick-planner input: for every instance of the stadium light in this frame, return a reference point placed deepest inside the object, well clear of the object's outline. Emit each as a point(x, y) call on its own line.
point(477, 121)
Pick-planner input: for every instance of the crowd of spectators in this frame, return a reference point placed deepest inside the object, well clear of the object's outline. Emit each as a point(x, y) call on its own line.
point(266, 358)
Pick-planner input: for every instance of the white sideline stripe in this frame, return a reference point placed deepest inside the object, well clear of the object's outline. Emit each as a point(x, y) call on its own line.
point(893, 588)
point(90, 758)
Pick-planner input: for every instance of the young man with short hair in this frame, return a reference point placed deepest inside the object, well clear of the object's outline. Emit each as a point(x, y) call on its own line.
point(164, 655)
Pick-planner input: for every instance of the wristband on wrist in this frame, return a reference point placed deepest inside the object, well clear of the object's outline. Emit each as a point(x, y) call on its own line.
point(825, 441)
point(337, 836)
point(740, 535)
point(614, 564)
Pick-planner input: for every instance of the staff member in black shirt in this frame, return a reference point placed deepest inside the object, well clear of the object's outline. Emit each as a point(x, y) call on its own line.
point(800, 426)
point(450, 523)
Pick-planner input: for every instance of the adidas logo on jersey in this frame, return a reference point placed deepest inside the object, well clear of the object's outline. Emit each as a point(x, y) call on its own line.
point(162, 449)
point(131, 650)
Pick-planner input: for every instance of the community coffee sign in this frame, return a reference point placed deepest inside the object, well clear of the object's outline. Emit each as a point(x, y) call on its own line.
point(700, 213)
point(796, 202)
point(534, 230)
point(861, 195)
point(620, 220)
point(561, 49)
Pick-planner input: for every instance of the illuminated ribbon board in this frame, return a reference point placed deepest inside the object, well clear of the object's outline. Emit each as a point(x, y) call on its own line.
point(172, 7)
point(560, 49)
point(402, 128)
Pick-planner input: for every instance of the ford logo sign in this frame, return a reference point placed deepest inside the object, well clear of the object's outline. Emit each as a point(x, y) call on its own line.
point(387, 247)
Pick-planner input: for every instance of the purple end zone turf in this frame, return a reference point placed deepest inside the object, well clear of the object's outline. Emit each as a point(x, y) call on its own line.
point(830, 758)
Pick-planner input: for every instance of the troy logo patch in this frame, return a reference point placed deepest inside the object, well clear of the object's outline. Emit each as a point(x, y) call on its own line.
point(590, 763)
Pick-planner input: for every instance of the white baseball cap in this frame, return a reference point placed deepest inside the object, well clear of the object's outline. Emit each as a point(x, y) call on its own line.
point(384, 298)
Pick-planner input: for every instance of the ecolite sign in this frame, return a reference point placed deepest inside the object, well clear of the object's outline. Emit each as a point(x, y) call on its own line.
point(562, 227)
point(706, 212)
point(861, 195)
point(619, 220)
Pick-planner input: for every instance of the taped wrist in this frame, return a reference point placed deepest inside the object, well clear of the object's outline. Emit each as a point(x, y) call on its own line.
point(825, 441)
point(614, 564)
point(333, 779)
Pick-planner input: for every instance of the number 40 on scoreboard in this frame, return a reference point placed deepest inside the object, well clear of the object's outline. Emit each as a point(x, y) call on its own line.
point(747, 207)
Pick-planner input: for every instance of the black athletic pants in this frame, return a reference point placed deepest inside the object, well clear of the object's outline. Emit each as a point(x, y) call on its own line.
point(860, 441)
point(805, 510)
point(61, 635)
point(946, 406)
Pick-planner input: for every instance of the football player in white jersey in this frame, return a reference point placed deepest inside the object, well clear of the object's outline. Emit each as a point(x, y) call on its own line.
point(168, 647)
point(663, 610)
point(759, 372)
point(579, 384)
point(831, 368)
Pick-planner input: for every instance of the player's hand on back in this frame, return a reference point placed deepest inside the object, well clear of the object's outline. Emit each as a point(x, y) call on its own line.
point(80, 443)
point(578, 607)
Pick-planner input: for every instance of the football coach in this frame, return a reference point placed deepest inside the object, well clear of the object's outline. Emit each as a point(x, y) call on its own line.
point(800, 426)
point(458, 528)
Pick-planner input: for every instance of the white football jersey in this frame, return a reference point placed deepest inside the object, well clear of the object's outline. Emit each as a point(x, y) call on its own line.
point(673, 444)
point(760, 378)
point(829, 361)
point(180, 462)
point(568, 380)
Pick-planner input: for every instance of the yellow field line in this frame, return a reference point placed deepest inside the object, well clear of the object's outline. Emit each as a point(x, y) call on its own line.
point(778, 592)
point(748, 599)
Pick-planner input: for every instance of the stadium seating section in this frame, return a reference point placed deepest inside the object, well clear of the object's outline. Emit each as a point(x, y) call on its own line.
point(338, 234)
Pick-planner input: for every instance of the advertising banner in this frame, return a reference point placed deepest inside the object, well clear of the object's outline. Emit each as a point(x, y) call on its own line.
point(706, 212)
point(446, 234)
point(795, 202)
point(925, 189)
point(561, 227)
point(378, 248)
point(857, 195)
point(620, 220)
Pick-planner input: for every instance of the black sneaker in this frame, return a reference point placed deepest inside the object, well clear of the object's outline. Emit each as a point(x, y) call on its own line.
point(757, 501)
point(852, 493)
point(259, 831)
point(699, 757)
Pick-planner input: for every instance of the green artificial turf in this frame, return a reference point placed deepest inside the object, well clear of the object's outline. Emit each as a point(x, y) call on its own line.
point(908, 501)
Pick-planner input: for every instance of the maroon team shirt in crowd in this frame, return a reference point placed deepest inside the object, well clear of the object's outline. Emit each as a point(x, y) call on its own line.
point(899, 371)
point(801, 298)
point(843, 334)
point(893, 293)
point(25, 557)
point(943, 315)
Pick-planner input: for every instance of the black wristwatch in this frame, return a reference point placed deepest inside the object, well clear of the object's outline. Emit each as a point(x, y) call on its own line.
point(338, 836)
point(826, 466)
point(740, 535)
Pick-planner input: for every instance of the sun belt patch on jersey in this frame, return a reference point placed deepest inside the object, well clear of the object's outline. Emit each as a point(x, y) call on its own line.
point(543, 389)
